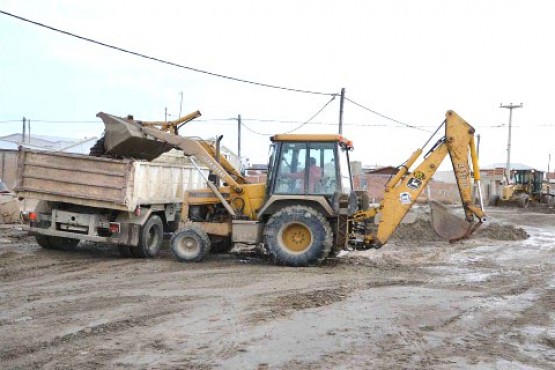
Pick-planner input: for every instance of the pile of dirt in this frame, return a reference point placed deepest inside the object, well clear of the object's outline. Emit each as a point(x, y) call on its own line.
point(423, 231)
point(498, 231)
point(418, 230)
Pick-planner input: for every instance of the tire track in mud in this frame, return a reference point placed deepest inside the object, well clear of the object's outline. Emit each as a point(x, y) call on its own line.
point(72, 340)
point(479, 335)
point(285, 305)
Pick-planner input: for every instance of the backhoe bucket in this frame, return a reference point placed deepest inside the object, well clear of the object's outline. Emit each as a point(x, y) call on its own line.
point(448, 225)
point(124, 138)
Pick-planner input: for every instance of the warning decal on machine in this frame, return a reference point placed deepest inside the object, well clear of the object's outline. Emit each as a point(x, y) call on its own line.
point(414, 183)
point(405, 198)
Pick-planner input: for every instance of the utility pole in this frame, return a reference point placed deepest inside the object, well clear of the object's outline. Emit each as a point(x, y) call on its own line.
point(510, 107)
point(23, 133)
point(166, 114)
point(180, 103)
point(29, 130)
point(548, 169)
point(341, 103)
point(239, 137)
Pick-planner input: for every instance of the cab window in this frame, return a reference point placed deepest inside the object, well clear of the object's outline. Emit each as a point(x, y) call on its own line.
point(307, 168)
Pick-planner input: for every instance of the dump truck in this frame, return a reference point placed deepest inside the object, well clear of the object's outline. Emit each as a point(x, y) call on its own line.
point(125, 202)
point(307, 210)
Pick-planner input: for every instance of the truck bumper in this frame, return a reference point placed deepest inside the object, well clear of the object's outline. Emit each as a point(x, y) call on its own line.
point(70, 235)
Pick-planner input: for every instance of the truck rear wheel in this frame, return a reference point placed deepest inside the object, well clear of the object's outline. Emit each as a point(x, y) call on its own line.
point(56, 242)
point(150, 238)
point(125, 251)
point(298, 236)
point(190, 244)
point(43, 241)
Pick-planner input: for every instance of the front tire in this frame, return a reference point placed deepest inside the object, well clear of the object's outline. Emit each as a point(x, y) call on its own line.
point(298, 236)
point(150, 239)
point(190, 244)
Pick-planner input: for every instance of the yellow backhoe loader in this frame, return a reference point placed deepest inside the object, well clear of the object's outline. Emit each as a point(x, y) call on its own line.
point(307, 209)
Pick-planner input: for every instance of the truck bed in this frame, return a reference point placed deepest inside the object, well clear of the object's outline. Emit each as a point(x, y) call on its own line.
point(121, 184)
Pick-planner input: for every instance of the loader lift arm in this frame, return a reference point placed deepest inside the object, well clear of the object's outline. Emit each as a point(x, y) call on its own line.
point(402, 190)
point(167, 132)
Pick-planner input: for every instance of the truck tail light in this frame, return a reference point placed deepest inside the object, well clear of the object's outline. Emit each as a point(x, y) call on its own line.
point(32, 216)
point(114, 227)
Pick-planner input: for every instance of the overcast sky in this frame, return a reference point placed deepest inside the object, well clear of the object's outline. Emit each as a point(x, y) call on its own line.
point(408, 60)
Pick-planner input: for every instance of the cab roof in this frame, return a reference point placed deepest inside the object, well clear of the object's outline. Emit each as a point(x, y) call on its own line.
point(313, 137)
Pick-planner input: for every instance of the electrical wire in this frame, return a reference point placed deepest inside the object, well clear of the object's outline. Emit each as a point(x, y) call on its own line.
point(137, 54)
point(144, 56)
point(384, 116)
point(62, 121)
point(263, 120)
point(261, 84)
point(311, 118)
point(296, 128)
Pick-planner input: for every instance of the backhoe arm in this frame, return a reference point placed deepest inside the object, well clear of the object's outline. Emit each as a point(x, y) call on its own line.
point(403, 189)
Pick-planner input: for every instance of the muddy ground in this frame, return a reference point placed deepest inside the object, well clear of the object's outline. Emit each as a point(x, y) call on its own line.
point(416, 303)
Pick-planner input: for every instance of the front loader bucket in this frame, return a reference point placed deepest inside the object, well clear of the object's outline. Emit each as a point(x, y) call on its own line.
point(448, 225)
point(124, 138)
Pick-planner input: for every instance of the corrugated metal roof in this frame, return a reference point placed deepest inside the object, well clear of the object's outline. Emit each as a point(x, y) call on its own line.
point(13, 141)
point(514, 166)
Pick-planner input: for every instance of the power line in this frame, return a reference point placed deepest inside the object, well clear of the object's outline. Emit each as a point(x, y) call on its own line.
point(265, 120)
point(311, 118)
point(137, 54)
point(144, 56)
point(298, 127)
point(384, 116)
point(64, 121)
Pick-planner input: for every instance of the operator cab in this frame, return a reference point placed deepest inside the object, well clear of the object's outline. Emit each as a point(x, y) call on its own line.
point(530, 181)
point(309, 165)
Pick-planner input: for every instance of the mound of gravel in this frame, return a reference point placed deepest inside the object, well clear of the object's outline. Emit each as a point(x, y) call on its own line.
point(423, 231)
point(502, 232)
point(419, 230)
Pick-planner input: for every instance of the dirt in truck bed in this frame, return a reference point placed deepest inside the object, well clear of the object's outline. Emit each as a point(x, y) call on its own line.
point(415, 303)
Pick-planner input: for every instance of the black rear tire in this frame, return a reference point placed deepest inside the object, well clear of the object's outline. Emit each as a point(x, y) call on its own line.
point(150, 238)
point(43, 241)
point(298, 236)
point(125, 251)
point(190, 244)
point(56, 242)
